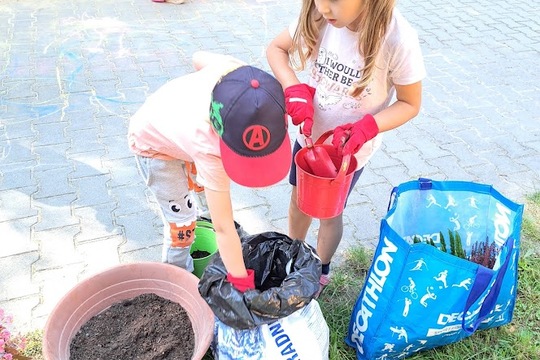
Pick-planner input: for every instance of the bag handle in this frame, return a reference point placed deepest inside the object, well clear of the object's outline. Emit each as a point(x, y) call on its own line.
point(392, 199)
point(484, 277)
point(422, 184)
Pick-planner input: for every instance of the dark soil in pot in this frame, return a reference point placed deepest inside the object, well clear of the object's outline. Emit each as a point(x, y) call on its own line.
point(199, 254)
point(146, 327)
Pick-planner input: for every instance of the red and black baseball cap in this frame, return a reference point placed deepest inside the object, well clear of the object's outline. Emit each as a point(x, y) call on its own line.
point(248, 113)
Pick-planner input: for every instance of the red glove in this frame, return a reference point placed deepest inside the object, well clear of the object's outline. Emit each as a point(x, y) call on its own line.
point(245, 283)
point(354, 136)
point(299, 105)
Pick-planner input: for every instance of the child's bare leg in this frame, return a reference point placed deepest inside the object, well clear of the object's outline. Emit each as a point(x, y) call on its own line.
point(298, 221)
point(330, 233)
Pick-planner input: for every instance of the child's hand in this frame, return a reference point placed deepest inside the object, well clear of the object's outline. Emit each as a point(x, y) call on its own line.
point(299, 105)
point(340, 136)
point(354, 135)
point(245, 283)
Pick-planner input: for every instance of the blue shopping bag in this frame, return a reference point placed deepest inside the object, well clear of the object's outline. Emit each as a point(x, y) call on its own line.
point(445, 266)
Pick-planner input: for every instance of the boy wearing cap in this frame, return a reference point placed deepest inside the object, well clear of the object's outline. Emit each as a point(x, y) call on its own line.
point(228, 119)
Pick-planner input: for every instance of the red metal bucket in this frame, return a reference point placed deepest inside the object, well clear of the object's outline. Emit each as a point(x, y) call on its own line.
point(321, 197)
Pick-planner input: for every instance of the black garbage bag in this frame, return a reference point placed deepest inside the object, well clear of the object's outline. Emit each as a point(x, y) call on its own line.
point(287, 275)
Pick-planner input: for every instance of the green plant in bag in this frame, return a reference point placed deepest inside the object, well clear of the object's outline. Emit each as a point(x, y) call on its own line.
point(483, 253)
point(443, 242)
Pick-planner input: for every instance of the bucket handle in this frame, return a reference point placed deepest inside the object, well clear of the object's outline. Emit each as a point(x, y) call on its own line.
point(322, 138)
point(344, 162)
point(343, 169)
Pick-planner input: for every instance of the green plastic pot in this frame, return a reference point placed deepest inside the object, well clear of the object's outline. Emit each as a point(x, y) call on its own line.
point(205, 240)
point(205, 224)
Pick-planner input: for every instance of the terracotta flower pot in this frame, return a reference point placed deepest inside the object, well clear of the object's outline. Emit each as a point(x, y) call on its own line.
point(99, 292)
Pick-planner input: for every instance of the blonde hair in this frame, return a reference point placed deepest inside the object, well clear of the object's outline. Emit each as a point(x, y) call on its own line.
point(372, 28)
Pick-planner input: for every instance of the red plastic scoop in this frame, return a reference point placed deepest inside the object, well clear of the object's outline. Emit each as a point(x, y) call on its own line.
point(318, 161)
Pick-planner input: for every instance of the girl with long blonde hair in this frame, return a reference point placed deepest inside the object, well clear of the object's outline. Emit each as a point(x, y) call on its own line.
point(364, 70)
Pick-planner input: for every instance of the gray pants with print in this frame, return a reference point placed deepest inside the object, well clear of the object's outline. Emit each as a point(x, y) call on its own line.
point(168, 182)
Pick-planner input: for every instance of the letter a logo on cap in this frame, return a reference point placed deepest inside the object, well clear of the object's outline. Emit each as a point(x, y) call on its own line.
point(256, 137)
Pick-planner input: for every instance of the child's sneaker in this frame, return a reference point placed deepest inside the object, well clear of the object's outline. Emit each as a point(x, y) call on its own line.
point(323, 281)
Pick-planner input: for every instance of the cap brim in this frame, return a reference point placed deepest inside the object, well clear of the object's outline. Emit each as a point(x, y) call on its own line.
point(258, 171)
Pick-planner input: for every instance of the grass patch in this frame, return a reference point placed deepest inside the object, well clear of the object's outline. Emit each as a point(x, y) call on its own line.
point(519, 340)
point(339, 297)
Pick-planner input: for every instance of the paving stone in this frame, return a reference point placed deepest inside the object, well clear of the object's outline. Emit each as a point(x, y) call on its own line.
point(123, 171)
point(57, 248)
point(17, 282)
point(54, 283)
point(91, 190)
point(141, 231)
point(16, 237)
point(100, 254)
point(52, 157)
point(19, 152)
point(50, 133)
point(16, 204)
point(17, 128)
point(96, 222)
point(53, 182)
point(130, 199)
point(54, 212)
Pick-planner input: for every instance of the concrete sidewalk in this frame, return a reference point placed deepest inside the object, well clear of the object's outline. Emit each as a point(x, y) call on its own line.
point(72, 72)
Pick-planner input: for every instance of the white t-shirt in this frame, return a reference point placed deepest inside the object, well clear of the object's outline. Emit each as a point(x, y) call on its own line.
point(174, 123)
point(338, 65)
